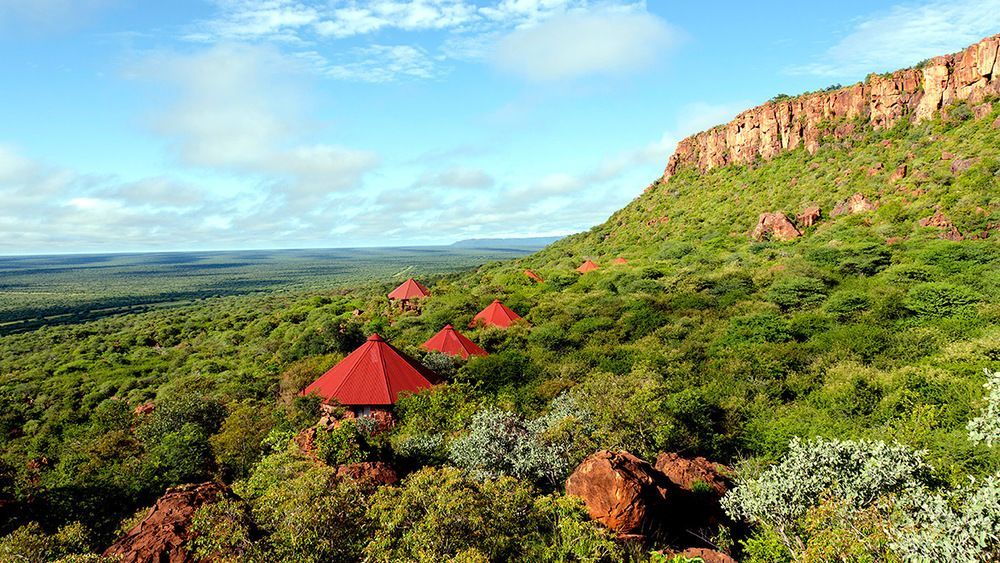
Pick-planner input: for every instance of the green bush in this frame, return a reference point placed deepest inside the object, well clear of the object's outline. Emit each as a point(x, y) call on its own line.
point(342, 444)
point(796, 292)
point(437, 514)
point(939, 299)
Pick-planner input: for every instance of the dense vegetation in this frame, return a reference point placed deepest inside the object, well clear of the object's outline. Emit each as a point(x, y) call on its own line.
point(867, 331)
point(40, 291)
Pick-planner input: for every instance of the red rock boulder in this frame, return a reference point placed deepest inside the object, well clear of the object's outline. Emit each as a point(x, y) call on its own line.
point(621, 491)
point(899, 173)
point(694, 475)
point(161, 536)
point(948, 229)
point(700, 485)
point(809, 216)
point(857, 203)
point(775, 226)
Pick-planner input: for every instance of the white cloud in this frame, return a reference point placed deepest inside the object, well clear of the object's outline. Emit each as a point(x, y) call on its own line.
point(905, 34)
point(574, 45)
point(456, 177)
point(237, 108)
point(357, 18)
point(381, 63)
point(470, 32)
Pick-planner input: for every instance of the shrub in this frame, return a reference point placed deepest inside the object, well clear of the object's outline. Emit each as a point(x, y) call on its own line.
point(31, 544)
point(313, 517)
point(847, 305)
point(796, 292)
point(858, 472)
point(985, 428)
point(865, 259)
point(441, 364)
point(436, 514)
point(939, 299)
point(222, 532)
point(628, 411)
point(755, 329)
point(502, 443)
point(960, 525)
point(240, 441)
point(496, 371)
point(343, 444)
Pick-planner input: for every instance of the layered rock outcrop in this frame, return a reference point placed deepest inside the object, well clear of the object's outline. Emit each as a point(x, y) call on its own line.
point(916, 93)
point(161, 536)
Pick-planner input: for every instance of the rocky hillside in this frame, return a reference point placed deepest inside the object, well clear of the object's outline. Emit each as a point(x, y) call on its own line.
point(914, 93)
point(906, 157)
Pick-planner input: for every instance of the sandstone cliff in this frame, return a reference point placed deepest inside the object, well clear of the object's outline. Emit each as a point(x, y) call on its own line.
point(916, 93)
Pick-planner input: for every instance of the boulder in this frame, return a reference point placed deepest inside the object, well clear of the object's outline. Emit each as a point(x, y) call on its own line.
point(144, 409)
point(700, 485)
point(874, 170)
point(945, 155)
point(960, 165)
point(369, 472)
point(857, 203)
point(693, 474)
point(948, 229)
point(620, 491)
point(809, 216)
point(775, 226)
point(898, 174)
point(162, 534)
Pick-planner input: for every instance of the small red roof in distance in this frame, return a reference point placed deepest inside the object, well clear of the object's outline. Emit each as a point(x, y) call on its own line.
point(374, 374)
point(450, 341)
point(587, 266)
point(495, 314)
point(620, 260)
point(410, 289)
point(533, 276)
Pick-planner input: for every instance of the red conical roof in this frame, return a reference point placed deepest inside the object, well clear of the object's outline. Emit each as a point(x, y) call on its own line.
point(410, 289)
point(587, 266)
point(495, 314)
point(450, 341)
point(374, 374)
point(533, 276)
point(620, 260)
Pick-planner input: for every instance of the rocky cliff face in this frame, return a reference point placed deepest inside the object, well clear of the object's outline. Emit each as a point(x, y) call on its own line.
point(915, 93)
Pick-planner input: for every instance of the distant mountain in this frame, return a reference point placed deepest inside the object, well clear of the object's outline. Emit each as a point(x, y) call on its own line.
point(506, 243)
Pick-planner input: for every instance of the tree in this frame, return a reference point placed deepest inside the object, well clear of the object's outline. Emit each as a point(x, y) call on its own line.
point(439, 513)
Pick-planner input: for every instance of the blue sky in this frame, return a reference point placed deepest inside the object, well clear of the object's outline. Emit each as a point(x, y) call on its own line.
point(228, 124)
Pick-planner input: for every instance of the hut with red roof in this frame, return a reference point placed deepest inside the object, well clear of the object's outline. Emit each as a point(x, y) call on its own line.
point(453, 343)
point(619, 260)
point(495, 314)
point(531, 274)
point(371, 378)
point(409, 293)
point(588, 266)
